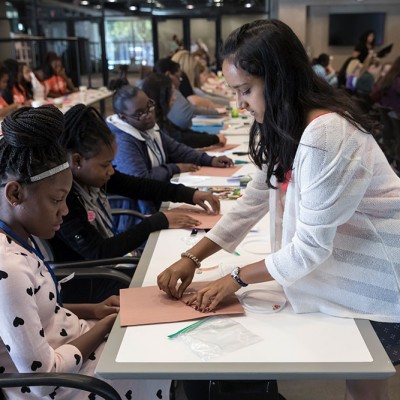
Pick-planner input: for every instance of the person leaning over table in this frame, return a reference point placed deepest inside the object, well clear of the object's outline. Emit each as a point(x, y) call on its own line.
point(88, 231)
point(147, 152)
point(38, 332)
point(338, 252)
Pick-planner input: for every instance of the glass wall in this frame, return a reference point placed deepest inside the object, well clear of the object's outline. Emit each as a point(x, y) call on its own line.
point(129, 41)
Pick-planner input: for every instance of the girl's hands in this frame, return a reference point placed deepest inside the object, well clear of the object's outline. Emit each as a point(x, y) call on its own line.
point(183, 270)
point(106, 308)
point(221, 162)
point(222, 139)
point(200, 198)
point(177, 220)
point(208, 298)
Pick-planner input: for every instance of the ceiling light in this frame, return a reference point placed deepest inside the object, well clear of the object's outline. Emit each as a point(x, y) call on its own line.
point(84, 3)
point(98, 6)
point(190, 6)
point(248, 5)
point(111, 1)
point(133, 8)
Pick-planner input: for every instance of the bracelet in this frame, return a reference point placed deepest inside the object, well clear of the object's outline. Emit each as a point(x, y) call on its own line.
point(191, 257)
point(235, 275)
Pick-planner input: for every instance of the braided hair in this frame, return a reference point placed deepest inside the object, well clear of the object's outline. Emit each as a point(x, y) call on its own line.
point(158, 87)
point(85, 131)
point(123, 94)
point(30, 143)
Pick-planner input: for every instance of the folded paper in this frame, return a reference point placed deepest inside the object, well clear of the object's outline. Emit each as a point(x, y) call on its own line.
point(149, 305)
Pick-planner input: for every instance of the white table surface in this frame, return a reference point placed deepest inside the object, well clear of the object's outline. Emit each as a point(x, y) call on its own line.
point(310, 345)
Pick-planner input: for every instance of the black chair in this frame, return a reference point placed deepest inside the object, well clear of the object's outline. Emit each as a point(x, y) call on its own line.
point(76, 381)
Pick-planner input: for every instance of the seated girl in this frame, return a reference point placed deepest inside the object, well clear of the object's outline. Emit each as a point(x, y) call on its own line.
point(158, 87)
point(38, 333)
point(5, 107)
point(55, 78)
point(15, 91)
point(145, 151)
point(88, 231)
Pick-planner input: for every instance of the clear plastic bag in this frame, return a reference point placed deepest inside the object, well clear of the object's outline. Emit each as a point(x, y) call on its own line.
point(217, 336)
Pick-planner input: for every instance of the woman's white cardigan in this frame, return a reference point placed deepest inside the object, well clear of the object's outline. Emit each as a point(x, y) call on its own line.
point(337, 238)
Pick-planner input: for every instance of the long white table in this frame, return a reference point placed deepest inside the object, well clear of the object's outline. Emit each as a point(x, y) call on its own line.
point(294, 345)
point(89, 98)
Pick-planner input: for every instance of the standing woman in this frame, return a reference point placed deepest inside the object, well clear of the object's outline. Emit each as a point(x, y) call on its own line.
point(38, 333)
point(337, 251)
point(365, 46)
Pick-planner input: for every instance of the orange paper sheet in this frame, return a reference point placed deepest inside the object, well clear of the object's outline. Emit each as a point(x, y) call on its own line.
point(150, 305)
point(211, 171)
point(207, 220)
point(219, 149)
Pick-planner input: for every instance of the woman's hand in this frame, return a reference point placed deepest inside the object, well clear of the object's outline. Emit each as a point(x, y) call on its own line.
point(177, 220)
point(201, 197)
point(185, 167)
point(183, 270)
point(208, 298)
point(221, 162)
point(106, 307)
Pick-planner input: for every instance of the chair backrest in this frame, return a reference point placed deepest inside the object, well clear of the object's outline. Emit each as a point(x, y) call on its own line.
point(76, 381)
point(45, 248)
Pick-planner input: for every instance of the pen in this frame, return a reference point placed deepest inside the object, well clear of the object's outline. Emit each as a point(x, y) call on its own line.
point(240, 153)
point(241, 162)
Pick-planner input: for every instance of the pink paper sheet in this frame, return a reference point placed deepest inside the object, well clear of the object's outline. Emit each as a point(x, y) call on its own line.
point(207, 220)
point(150, 305)
point(211, 171)
point(219, 149)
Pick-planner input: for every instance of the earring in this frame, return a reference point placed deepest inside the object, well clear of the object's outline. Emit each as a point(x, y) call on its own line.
point(78, 167)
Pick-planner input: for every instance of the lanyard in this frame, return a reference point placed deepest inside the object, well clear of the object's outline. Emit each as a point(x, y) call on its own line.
point(35, 250)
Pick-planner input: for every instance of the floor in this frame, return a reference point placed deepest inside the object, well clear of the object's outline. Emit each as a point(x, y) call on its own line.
point(316, 389)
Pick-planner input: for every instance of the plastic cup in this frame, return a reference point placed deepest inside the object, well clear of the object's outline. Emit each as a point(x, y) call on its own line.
point(37, 103)
point(82, 93)
point(234, 109)
point(58, 102)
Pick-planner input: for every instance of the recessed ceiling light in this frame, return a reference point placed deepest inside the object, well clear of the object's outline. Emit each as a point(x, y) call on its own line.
point(84, 2)
point(111, 1)
point(248, 5)
point(133, 8)
point(190, 6)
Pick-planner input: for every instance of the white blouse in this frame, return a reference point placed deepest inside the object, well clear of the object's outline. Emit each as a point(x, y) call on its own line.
point(340, 247)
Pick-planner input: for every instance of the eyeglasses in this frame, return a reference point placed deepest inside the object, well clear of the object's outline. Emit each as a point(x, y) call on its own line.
point(140, 115)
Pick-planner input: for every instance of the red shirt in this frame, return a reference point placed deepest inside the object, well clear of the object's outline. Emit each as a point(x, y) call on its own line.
point(56, 84)
point(3, 103)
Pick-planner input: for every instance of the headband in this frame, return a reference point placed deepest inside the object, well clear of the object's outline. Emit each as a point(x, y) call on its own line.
point(49, 172)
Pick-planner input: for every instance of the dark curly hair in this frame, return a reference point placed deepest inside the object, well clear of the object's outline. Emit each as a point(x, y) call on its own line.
point(30, 143)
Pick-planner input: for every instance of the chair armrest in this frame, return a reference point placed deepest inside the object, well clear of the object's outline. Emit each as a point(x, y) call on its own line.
point(76, 381)
point(97, 272)
point(94, 263)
